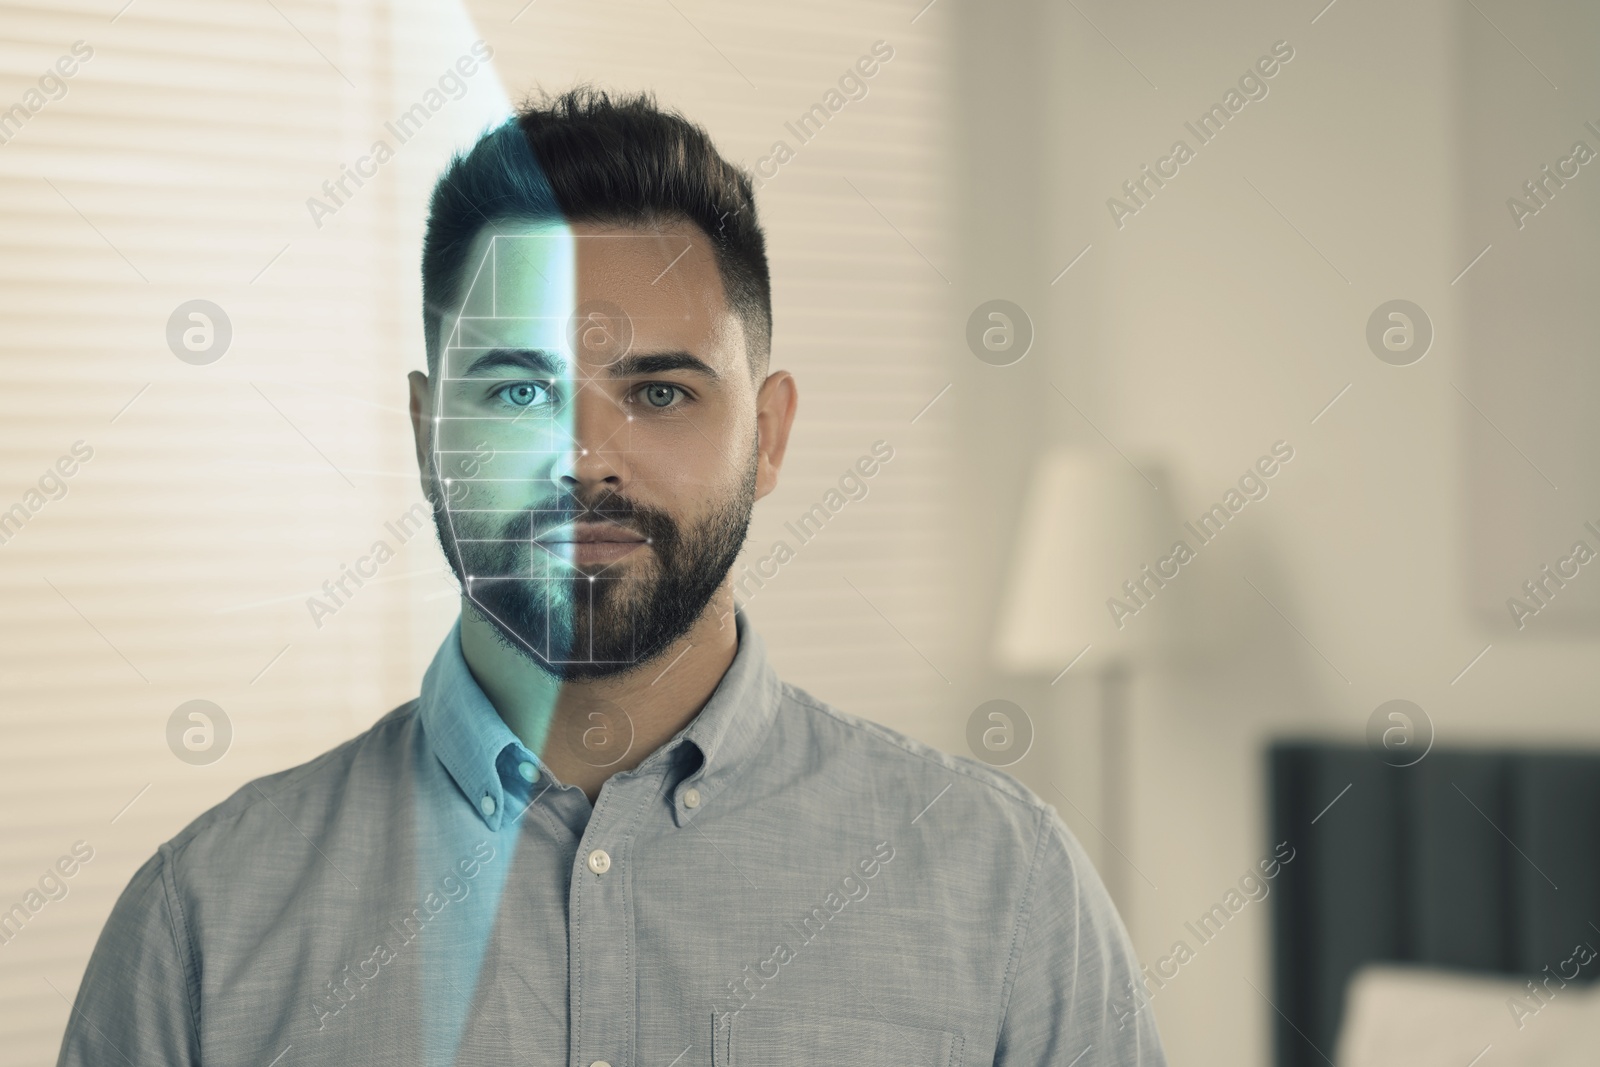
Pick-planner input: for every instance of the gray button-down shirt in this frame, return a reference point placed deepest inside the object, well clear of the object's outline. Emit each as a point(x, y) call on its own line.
point(778, 884)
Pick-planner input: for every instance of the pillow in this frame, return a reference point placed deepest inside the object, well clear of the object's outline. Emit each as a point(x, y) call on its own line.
point(1400, 1016)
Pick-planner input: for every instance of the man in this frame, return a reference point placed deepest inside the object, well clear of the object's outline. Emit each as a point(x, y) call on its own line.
point(606, 833)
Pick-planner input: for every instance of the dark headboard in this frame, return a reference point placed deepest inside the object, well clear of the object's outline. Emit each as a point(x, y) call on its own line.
point(1483, 860)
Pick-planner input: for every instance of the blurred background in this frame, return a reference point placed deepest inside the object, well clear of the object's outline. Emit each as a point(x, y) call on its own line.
point(1370, 271)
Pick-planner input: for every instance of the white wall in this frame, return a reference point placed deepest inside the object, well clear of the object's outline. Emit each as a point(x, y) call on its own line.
point(1207, 328)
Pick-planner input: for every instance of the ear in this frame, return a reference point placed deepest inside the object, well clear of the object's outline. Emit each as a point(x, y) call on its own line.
point(421, 422)
point(776, 402)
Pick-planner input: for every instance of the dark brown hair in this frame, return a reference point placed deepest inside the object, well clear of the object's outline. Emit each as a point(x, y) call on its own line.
point(584, 156)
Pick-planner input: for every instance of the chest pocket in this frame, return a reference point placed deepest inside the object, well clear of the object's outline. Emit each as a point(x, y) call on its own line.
point(831, 1041)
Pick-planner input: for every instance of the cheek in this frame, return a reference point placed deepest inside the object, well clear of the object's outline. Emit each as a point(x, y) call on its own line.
point(673, 474)
point(688, 463)
point(517, 474)
point(499, 455)
point(517, 477)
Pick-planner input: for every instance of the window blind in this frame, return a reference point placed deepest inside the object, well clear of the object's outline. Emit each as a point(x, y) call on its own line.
point(181, 165)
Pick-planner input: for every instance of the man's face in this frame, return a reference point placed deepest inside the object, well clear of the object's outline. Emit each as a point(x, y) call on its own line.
point(593, 440)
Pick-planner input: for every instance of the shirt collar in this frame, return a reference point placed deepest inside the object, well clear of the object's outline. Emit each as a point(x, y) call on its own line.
point(730, 729)
point(465, 732)
point(480, 752)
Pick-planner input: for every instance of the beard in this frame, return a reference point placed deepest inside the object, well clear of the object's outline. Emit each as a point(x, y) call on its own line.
point(580, 624)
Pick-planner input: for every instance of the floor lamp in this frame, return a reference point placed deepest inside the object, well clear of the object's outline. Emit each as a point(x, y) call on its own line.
point(1084, 523)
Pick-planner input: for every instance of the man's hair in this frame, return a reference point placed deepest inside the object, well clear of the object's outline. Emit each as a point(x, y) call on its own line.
point(586, 157)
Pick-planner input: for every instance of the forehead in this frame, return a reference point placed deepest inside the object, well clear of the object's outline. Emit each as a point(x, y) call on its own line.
point(535, 284)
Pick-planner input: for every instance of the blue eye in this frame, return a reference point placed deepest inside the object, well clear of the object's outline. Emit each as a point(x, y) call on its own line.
point(522, 394)
point(660, 395)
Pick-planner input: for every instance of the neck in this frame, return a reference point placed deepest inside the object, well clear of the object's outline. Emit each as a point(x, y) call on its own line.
point(586, 731)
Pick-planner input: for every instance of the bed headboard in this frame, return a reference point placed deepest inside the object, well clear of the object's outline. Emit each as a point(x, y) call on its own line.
point(1477, 859)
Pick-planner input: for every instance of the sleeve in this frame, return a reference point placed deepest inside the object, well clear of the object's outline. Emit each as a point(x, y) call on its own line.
point(1076, 996)
point(136, 1001)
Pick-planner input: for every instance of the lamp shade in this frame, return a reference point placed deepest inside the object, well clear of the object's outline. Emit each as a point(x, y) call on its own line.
point(1088, 526)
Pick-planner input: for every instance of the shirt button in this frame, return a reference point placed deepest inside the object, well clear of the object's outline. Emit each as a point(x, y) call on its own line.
point(486, 805)
point(599, 861)
point(599, 1063)
point(691, 797)
point(528, 771)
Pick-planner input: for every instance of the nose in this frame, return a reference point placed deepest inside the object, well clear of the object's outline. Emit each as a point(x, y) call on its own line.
point(597, 458)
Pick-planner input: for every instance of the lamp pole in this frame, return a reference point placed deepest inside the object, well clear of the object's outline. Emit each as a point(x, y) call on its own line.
point(1114, 676)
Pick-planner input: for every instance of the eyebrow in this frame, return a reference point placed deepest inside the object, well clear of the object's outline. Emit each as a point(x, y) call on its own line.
point(537, 360)
point(544, 362)
point(662, 363)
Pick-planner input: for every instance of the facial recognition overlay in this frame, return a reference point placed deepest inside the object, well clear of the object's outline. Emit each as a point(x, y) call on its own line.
point(577, 572)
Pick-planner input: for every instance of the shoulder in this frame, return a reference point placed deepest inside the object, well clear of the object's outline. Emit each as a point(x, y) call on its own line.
point(210, 878)
point(858, 750)
point(977, 824)
point(292, 805)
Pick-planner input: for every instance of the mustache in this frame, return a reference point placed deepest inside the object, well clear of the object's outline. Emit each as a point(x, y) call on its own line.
point(606, 507)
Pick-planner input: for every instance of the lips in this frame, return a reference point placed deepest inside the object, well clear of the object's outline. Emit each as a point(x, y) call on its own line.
point(586, 533)
point(588, 545)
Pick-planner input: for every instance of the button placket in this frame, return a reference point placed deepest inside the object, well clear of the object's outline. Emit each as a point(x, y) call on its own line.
point(602, 961)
